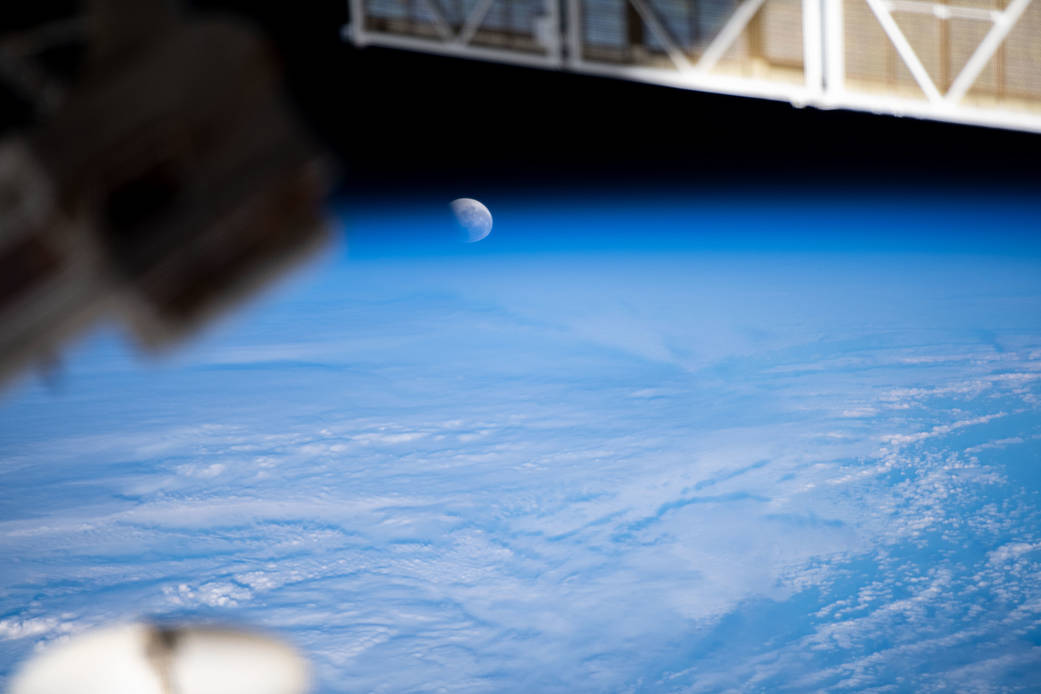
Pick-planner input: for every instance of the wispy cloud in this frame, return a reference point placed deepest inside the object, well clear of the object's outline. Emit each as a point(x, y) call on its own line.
point(510, 494)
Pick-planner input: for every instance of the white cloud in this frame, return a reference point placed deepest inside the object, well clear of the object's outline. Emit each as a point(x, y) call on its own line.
point(940, 429)
point(596, 520)
point(27, 628)
point(212, 594)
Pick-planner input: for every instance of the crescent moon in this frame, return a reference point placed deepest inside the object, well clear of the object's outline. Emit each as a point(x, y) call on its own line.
point(473, 217)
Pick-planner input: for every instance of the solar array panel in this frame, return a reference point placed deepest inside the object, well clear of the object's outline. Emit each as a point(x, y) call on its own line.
point(976, 61)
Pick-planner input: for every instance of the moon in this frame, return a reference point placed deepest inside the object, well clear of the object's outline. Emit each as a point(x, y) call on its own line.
point(473, 217)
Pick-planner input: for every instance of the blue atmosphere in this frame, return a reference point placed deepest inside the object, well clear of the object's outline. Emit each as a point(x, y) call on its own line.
point(780, 441)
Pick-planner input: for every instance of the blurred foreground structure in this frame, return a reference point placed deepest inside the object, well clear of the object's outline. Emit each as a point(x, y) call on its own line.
point(964, 61)
point(166, 181)
point(144, 658)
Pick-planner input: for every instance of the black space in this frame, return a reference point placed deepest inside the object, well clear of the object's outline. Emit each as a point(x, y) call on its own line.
point(398, 120)
point(408, 120)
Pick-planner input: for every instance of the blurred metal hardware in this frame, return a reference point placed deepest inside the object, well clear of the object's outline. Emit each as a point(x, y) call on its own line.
point(144, 658)
point(170, 180)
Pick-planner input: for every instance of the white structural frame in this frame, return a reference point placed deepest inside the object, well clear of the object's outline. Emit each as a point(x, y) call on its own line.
point(823, 29)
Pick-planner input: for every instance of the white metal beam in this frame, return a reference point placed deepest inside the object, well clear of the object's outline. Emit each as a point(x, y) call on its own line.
point(918, 71)
point(440, 23)
point(812, 45)
point(983, 53)
point(834, 31)
point(427, 45)
point(574, 31)
point(548, 29)
point(650, 18)
point(473, 21)
point(356, 28)
point(728, 34)
point(942, 11)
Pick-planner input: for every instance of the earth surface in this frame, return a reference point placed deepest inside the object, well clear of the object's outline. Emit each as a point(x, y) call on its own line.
point(680, 443)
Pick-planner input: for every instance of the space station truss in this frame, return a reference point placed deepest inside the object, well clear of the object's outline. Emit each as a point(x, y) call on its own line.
point(965, 61)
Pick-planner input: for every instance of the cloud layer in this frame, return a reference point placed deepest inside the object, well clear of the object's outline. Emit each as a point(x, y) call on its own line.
point(696, 474)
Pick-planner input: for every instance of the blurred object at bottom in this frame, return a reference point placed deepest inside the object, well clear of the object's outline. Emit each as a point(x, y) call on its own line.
point(169, 180)
point(147, 659)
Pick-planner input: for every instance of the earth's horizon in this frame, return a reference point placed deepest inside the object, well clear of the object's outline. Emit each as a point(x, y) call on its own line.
point(678, 445)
